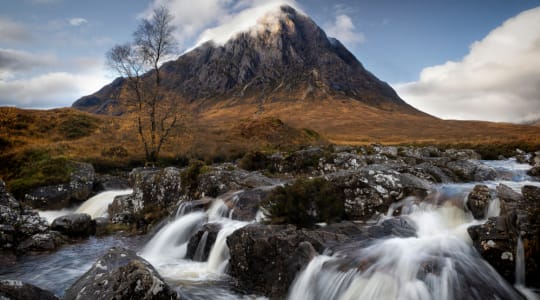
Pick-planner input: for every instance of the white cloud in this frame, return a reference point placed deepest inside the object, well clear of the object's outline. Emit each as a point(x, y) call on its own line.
point(344, 30)
point(213, 19)
point(49, 90)
point(11, 31)
point(77, 21)
point(498, 80)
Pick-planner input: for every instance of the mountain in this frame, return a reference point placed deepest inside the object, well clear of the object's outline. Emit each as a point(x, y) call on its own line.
point(285, 58)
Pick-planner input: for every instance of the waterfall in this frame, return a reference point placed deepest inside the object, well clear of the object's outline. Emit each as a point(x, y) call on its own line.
point(199, 252)
point(170, 243)
point(97, 206)
point(520, 263)
point(219, 255)
point(439, 263)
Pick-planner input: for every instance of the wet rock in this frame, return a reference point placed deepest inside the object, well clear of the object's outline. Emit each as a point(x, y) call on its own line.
point(110, 182)
point(245, 205)
point(75, 225)
point(78, 189)
point(17, 290)
point(478, 201)
point(507, 195)
point(265, 259)
point(534, 171)
point(462, 154)
point(120, 274)
point(394, 227)
point(495, 246)
point(42, 242)
point(497, 239)
point(201, 243)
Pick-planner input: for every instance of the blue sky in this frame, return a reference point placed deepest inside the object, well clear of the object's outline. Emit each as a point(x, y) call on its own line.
point(52, 51)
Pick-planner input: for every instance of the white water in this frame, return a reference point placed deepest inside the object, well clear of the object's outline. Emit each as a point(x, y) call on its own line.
point(167, 249)
point(439, 263)
point(95, 206)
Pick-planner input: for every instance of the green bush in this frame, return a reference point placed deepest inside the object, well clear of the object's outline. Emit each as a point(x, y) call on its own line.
point(305, 203)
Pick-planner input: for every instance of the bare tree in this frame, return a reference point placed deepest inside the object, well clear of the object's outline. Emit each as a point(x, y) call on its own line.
point(138, 62)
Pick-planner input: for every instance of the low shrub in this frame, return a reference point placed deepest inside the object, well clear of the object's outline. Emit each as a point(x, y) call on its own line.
point(190, 176)
point(305, 203)
point(77, 126)
point(254, 160)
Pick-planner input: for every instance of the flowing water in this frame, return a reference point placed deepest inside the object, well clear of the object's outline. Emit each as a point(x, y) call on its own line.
point(438, 263)
point(95, 206)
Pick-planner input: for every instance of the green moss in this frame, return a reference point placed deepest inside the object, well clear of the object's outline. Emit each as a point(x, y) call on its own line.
point(305, 203)
point(36, 168)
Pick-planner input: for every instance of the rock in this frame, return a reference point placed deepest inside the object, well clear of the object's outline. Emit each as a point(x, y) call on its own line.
point(507, 194)
point(19, 224)
point(462, 154)
point(220, 181)
point(372, 189)
point(245, 205)
point(534, 171)
point(120, 274)
point(265, 259)
point(478, 201)
point(154, 190)
point(470, 170)
point(42, 242)
point(341, 161)
point(394, 227)
point(109, 182)
point(78, 189)
point(75, 225)
point(495, 246)
point(17, 290)
point(497, 239)
point(201, 243)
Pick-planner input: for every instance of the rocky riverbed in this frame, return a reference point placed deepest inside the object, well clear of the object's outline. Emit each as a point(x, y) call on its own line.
point(445, 219)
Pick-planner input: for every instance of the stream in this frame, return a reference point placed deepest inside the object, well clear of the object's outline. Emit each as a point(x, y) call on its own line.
point(386, 269)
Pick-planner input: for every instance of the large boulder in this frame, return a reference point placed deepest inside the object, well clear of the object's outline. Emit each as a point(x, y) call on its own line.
point(265, 259)
point(38, 242)
point(75, 225)
point(534, 171)
point(244, 205)
point(155, 194)
point(201, 243)
point(478, 201)
point(17, 290)
point(120, 274)
point(371, 190)
point(78, 189)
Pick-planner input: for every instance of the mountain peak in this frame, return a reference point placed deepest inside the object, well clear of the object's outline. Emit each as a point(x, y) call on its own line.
point(284, 56)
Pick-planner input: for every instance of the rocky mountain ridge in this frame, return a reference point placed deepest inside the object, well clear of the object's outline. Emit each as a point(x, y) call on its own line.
point(284, 58)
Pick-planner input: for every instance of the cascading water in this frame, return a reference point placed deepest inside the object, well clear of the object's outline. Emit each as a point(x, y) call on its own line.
point(95, 206)
point(439, 263)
